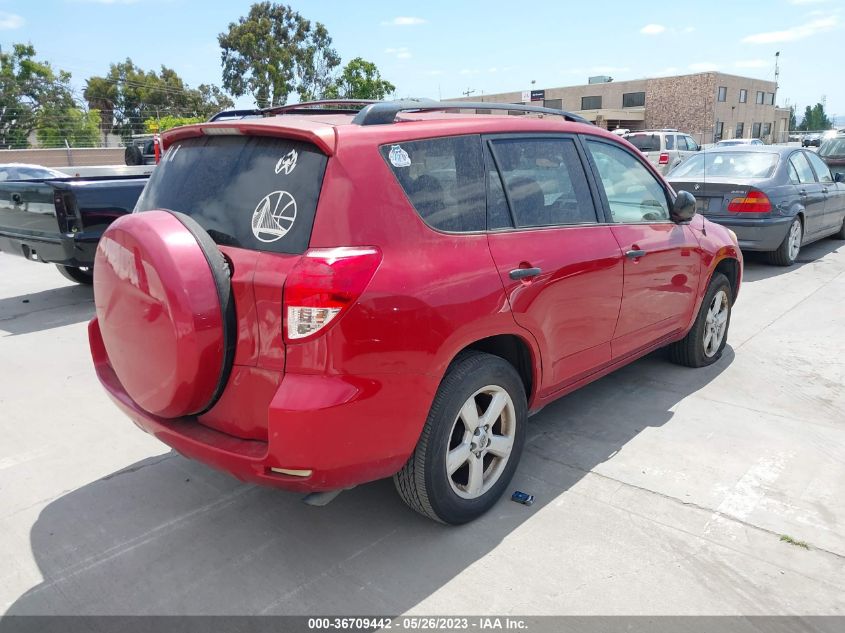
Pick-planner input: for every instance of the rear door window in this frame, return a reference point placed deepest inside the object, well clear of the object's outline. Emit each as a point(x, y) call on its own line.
point(252, 192)
point(545, 182)
point(670, 141)
point(443, 179)
point(802, 167)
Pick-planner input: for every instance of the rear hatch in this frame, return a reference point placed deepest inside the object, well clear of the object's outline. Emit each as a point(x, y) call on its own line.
point(649, 144)
point(256, 197)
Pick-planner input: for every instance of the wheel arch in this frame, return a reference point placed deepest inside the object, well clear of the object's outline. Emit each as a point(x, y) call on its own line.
point(515, 350)
point(730, 268)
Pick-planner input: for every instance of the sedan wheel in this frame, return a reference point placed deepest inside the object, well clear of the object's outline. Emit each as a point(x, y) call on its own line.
point(787, 252)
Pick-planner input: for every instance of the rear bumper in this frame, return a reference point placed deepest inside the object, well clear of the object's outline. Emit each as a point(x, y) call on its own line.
point(764, 234)
point(71, 249)
point(346, 430)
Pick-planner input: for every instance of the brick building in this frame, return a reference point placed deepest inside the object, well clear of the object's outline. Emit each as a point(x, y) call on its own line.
point(710, 106)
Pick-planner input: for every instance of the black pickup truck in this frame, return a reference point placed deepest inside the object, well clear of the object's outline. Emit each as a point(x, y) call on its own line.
point(60, 220)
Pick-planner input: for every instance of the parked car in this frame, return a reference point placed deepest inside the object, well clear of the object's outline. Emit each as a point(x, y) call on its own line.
point(775, 199)
point(665, 149)
point(832, 152)
point(58, 220)
point(23, 171)
point(391, 291)
point(754, 142)
point(811, 140)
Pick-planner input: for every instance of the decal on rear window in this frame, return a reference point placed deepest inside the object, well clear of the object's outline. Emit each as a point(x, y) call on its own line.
point(399, 157)
point(274, 216)
point(287, 163)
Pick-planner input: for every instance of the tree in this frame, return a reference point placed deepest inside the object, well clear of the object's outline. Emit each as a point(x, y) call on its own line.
point(273, 52)
point(28, 87)
point(128, 95)
point(793, 122)
point(815, 118)
point(73, 126)
point(166, 122)
point(360, 79)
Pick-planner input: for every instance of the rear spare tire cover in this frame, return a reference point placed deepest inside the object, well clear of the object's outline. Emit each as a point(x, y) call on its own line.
point(163, 297)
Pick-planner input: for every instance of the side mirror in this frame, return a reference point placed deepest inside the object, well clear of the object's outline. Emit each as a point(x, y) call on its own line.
point(684, 207)
point(839, 177)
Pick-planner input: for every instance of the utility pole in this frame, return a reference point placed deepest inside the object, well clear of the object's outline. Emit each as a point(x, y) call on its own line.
point(777, 73)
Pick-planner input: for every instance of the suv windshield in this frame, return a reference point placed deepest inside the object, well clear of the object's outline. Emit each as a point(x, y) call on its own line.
point(834, 147)
point(727, 165)
point(645, 142)
point(252, 192)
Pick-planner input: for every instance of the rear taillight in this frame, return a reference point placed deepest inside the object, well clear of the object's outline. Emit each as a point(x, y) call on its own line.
point(753, 202)
point(324, 283)
point(664, 159)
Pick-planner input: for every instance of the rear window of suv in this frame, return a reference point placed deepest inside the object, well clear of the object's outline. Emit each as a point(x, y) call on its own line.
point(645, 142)
point(444, 180)
point(252, 192)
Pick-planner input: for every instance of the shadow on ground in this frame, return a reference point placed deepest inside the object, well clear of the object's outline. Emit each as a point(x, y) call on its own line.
point(757, 267)
point(169, 536)
point(46, 309)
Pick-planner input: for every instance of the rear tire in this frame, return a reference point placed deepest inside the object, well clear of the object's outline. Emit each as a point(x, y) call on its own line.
point(481, 391)
point(84, 276)
point(788, 251)
point(704, 343)
point(132, 155)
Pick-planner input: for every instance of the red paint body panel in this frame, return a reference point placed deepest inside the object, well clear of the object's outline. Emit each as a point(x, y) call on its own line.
point(659, 288)
point(349, 403)
point(571, 307)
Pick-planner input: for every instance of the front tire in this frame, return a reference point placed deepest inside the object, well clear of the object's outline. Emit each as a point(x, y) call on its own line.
point(83, 276)
point(704, 343)
point(787, 252)
point(471, 442)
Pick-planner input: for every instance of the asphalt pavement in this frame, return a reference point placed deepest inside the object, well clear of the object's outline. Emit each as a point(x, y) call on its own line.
point(659, 489)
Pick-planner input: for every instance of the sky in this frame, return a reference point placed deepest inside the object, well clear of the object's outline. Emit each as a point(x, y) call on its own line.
point(442, 49)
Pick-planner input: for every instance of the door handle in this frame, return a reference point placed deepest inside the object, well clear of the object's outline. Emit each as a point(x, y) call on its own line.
point(803, 192)
point(634, 254)
point(524, 273)
point(824, 190)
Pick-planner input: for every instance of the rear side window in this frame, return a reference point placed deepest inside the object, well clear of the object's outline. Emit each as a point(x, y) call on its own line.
point(444, 180)
point(252, 192)
point(545, 182)
point(802, 167)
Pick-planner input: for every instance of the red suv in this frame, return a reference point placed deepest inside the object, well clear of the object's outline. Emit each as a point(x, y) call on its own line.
point(317, 296)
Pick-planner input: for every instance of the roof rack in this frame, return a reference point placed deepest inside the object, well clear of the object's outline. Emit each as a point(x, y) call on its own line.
point(368, 112)
point(383, 112)
point(324, 106)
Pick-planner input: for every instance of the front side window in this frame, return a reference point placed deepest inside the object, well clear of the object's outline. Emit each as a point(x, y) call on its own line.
point(821, 169)
point(545, 182)
point(444, 180)
point(802, 168)
point(633, 193)
point(691, 144)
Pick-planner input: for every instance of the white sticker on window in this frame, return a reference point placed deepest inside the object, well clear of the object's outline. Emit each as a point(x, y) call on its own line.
point(399, 157)
point(274, 216)
point(287, 163)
